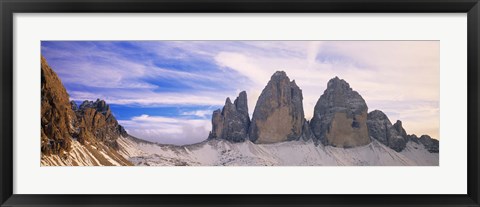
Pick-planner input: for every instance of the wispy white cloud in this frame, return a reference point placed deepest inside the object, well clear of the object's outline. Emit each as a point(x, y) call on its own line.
point(168, 130)
point(198, 113)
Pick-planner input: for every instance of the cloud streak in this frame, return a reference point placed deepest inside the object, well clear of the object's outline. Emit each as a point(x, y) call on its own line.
point(167, 130)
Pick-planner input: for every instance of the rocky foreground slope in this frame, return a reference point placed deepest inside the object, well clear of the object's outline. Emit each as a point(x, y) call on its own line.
point(72, 135)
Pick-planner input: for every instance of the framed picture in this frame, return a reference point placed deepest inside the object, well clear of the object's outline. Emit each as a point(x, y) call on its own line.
point(236, 103)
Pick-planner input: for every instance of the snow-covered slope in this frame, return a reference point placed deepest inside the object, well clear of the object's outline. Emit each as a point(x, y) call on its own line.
point(86, 155)
point(293, 153)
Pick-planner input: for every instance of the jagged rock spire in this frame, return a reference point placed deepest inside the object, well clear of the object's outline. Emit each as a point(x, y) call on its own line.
point(232, 122)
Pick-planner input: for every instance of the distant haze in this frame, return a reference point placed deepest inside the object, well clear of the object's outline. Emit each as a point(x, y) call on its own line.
point(165, 91)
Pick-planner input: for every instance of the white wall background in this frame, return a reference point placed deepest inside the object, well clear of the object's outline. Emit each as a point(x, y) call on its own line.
point(450, 177)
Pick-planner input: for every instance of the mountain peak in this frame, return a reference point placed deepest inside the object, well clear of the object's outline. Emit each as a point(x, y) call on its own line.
point(99, 105)
point(381, 129)
point(228, 101)
point(279, 73)
point(377, 115)
point(340, 115)
point(278, 115)
point(337, 83)
point(232, 122)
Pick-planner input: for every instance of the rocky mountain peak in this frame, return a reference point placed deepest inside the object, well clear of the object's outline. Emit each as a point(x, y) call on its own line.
point(228, 101)
point(399, 128)
point(241, 103)
point(338, 84)
point(232, 122)
point(279, 75)
point(381, 129)
point(97, 123)
point(99, 105)
point(432, 145)
point(340, 116)
point(377, 115)
point(278, 114)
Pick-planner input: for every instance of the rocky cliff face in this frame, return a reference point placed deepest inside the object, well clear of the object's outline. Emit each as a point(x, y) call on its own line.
point(398, 126)
point(232, 122)
point(432, 145)
point(96, 123)
point(380, 128)
point(278, 114)
point(340, 116)
point(63, 122)
point(57, 118)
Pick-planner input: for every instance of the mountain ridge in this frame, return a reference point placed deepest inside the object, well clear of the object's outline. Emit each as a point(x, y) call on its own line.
point(89, 134)
point(341, 118)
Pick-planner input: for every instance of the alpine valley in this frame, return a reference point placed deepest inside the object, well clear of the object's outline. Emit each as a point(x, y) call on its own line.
point(342, 132)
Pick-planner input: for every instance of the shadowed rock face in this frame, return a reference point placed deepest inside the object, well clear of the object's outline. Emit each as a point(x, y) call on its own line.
point(232, 122)
point(399, 128)
point(278, 114)
point(307, 132)
point(432, 145)
point(380, 128)
point(340, 116)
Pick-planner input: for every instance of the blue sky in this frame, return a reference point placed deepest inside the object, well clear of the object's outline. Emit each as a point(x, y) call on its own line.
point(165, 91)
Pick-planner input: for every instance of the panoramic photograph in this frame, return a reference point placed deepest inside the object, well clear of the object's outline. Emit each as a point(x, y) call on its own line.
point(240, 103)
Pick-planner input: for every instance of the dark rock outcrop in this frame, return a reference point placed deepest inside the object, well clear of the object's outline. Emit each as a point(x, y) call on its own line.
point(307, 132)
point(233, 121)
point(340, 116)
point(401, 131)
point(413, 138)
point(278, 114)
point(381, 129)
point(432, 145)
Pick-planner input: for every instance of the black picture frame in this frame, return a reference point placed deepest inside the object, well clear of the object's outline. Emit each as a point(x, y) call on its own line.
point(9, 7)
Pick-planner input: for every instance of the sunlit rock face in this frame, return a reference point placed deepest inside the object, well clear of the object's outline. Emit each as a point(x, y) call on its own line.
point(278, 114)
point(340, 116)
point(57, 118)
point(232, 122)
point(96, 123)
